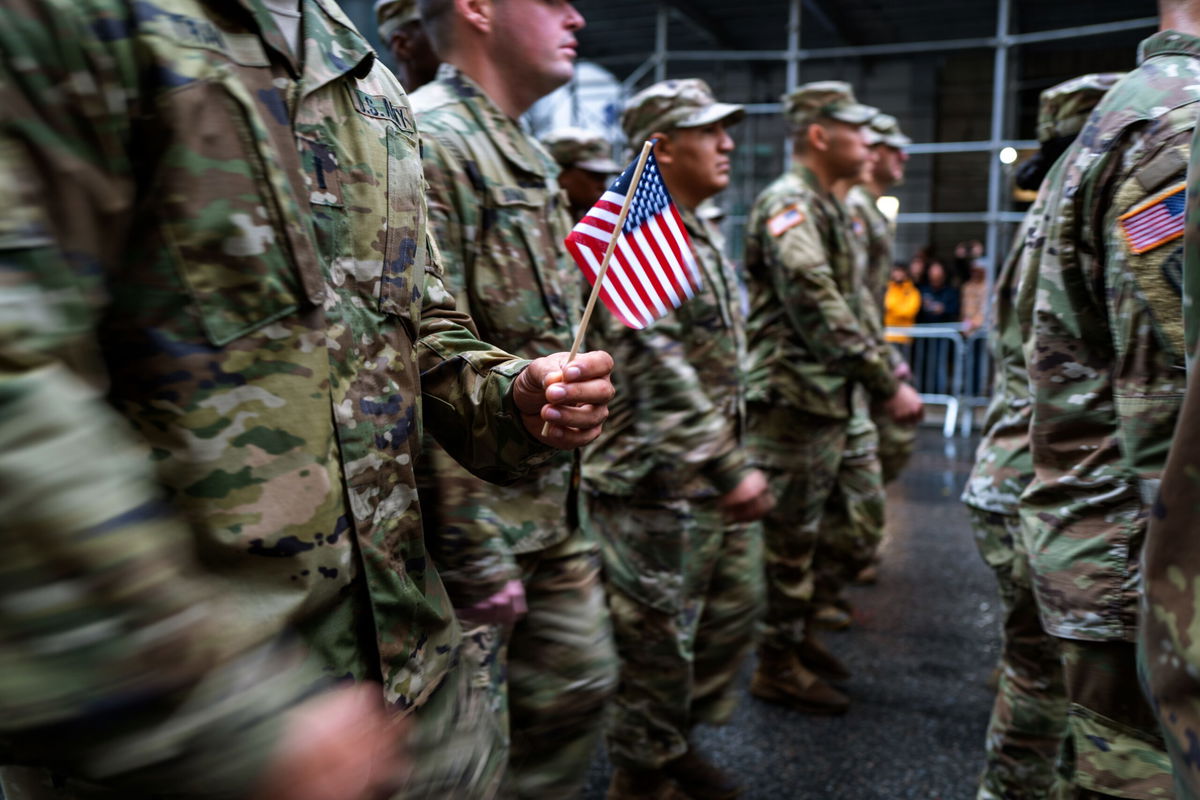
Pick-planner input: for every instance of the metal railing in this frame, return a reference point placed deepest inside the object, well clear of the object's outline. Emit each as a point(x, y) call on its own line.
point(950, 367)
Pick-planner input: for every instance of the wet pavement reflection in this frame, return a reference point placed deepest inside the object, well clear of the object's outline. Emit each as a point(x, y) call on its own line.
point(924, 641)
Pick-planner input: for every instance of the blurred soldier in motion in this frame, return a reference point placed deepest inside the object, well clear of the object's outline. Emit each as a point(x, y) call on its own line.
point(401, 31)
point(519, 559)
point(219, 289)
point(1029, 716)
point(670, 488)
point(885, 172)
point(1100, 309)
point(808, 350)
point(585, 161)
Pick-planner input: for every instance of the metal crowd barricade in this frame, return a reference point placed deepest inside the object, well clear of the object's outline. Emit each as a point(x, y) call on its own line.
point(937, 358)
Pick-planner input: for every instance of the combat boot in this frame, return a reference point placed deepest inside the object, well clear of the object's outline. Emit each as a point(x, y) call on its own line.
point(782, 679)
point(831, 618)
point(700, 779)
point(641, 784)
point(813, 655)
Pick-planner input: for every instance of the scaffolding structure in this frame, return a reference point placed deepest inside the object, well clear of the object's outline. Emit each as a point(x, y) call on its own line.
point(795, 57)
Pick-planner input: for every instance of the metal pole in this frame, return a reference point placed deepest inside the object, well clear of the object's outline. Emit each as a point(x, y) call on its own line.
point(995, 174)
point(793, 68)
point(660, 44)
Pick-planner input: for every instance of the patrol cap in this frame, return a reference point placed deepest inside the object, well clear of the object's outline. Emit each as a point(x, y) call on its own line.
point(576, 147)
point(829, 99)
point(885, 129)
point(391, 14)
point(1063, 109)
point(687, 103)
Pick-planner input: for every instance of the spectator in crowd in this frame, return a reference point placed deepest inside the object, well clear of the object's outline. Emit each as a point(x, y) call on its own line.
point(901, 303)
point(939, 304)
point(939, 300)
point(966, 256)
point(917, 267)
point(974, 298)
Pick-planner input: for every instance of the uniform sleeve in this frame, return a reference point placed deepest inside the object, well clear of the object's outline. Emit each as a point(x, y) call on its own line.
point(1143, 281)
point(804, 281)
point(114, 668)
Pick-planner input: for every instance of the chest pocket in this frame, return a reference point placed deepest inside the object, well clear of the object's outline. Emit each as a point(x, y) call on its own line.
point(225, 210)
point(518, 276)
point(405, 249)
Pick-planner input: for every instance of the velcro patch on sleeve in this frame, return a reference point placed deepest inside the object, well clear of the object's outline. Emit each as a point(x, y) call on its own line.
point(785, 220)
point(1155, 221)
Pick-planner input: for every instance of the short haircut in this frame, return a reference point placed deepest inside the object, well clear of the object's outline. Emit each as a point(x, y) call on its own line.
point(438, 18)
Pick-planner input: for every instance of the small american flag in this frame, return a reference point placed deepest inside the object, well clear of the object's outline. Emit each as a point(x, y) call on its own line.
point(1156, 221)
point(652, 270)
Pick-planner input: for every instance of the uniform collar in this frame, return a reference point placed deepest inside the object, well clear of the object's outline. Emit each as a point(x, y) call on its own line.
point(333, 47)
point(1168, 43)
point(503, 130)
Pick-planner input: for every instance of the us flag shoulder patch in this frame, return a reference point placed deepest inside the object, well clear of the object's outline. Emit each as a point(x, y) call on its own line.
point(785, 220)
point(1156, 221)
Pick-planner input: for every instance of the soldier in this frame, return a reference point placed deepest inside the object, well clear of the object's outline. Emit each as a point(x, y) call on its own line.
point(585, 161)
point(500, 218)
point(401, 31)
point(1029, 715)
point(669, 487)
point(808, 350)
point(1100, 311)
point(240, 288)
point(1168, 658)
point(886, 171)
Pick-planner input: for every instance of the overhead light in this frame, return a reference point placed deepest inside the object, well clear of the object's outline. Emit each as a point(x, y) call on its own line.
point(889, 206)
point(1008, 155)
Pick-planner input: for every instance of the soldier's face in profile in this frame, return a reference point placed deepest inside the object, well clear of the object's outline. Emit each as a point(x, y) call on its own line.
point(695, 162)
point(888, 169)
point(536, 38)
point(847, 152)
point(583, 186)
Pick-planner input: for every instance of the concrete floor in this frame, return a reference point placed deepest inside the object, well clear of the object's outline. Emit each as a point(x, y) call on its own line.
point(923, 644)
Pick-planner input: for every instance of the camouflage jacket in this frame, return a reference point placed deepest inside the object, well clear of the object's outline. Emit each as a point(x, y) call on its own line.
point(1104, 343)
point(500, 219)
point(808, 345)
point(675, 425)
point(1003, 463)
point(877, 233)
point(228, 242)
point(1169, 646)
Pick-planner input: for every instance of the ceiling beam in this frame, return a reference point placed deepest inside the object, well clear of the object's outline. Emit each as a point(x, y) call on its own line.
point(693, 14)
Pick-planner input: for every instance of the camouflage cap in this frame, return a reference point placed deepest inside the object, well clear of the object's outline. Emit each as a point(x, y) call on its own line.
point(576, 147)
point(391, 14)
point(1063, 109)
point(832, 99)
point(687, 103)
point(885, 129)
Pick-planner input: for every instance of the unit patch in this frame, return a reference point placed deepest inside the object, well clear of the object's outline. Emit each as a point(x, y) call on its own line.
point(380, 107)
point(785, 220)
point(1156, 221)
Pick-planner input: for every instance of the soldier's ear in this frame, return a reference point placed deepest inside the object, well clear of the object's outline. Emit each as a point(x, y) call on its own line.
point(817, 137)
point(663, 151)
point(478, 14)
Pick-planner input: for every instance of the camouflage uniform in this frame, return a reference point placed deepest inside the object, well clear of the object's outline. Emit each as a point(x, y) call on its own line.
point(392, 14)
point(809, 349)
point(576, 147)
point(501, 220)
point(1100, 305)
point(1168, 647)
point(685, 587)
point(241, 264)
point(1029, 715)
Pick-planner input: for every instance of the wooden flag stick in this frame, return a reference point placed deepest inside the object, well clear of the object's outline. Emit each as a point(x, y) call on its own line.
point(608, 252)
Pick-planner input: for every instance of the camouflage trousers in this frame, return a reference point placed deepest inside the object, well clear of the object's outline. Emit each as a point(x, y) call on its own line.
point(817, 489)
point(683, 634)
point(853, 519)
point(1029, 717)
point(550, 677)
point(1113, 746)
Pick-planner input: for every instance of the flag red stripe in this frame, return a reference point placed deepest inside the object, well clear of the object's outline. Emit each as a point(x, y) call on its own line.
point(639, 281)
point(686, 247)
point(651, 241)
point(610, 284)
